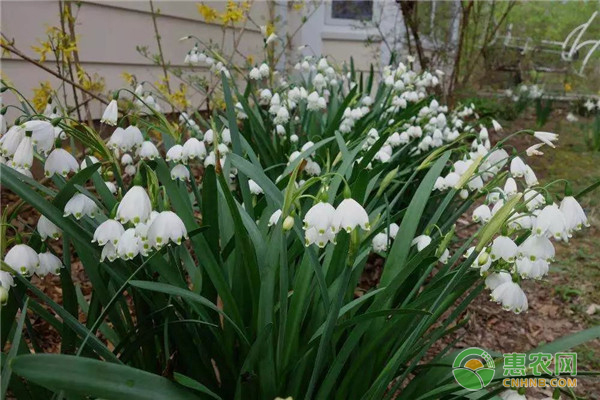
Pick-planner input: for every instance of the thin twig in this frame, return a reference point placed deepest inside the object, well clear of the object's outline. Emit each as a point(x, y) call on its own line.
point(50, 71)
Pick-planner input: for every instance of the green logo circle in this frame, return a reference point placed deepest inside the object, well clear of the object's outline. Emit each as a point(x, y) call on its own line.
point(473, 368)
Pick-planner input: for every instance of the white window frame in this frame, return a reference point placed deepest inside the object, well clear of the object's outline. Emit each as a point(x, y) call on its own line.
point(330, 20)
point(348, 29)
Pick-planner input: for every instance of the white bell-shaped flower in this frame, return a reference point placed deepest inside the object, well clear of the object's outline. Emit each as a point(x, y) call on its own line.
point(128, 245)
point(503, 248)
point(130, 170)
point(380, 242)
point(393, 229)
point(175, 153)
point(451, 179)
point(421, 242)
point(111, 113)
point(546, 137)
point(23, 157)
point(440, 184)
point(255, 189)
point(536, 247)
point(6, 280)
point(49, 264)
point(534, 269)
point(148, 151)
point(517, 167)
point(132, 138)
point(264, 70)
point(141, 229)
point(254, 74)
point(530, 178)
point(574, 215)
point(274, 218)
point(166, 227)
point(84, 164)
point(47, 229)
point(265, 96)
point(135, 206)
point(551, 222)
point(117, 139)
point(10, 141)
point(320, 216)
point(482, 214)
point(520, 221)
point(511, 296)
point(348, 215)
point(60, 162)
point(312, 235)
point(496, 279)
point(42, 134)
point(483, 261)
point(108, 232)
point(533, 199)
point(109, 252)
point(22, 259)
point(312, 168)
point(126, 159)
point(510, 187)
point(111, 187)
point(209, 136)
point(79, 206)
point(282, 117)
point(180, 173)
point(192, 149)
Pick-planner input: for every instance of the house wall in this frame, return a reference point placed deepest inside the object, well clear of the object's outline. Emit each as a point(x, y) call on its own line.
point(109, 31)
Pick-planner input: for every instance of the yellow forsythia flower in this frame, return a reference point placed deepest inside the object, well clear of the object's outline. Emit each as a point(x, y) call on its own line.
point(233, 13)
point(41, 95)
point(568, 87)
point(208, 13)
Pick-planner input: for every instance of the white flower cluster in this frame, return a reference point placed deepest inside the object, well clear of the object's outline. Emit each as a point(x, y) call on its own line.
point(149, 229)
point(322, 221)
point(509, 259)
point(19, 143)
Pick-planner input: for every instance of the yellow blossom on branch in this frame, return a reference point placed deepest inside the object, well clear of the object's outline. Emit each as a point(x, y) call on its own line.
point(208, 13)
point(234, 13)
point(42, 95)
point(127, 77)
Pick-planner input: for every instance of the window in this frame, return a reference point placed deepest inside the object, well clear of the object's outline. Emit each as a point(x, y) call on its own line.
point(359, 10)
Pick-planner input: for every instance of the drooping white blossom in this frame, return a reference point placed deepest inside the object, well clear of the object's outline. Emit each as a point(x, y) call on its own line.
point(49, 264)
point(108, 232)
point(111, 113)
point(180, 172)
point(60, 162)
point(47, 229)
point(166, 227)
point(421, 242)
point(22, 259)
point(575, 217)
point(135, 206)
point(348, 215)
point(511, 296)
point(79, 206)
point(504, 248)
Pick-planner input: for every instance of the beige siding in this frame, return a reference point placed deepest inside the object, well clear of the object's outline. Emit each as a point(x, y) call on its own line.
point(342, 50)
point(108, 33)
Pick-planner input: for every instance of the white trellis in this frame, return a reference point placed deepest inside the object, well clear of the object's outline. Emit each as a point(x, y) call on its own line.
point(568, 49)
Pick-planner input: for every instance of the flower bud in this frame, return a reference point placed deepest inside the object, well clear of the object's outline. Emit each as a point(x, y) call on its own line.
point(288, 223)
point(3, 295)
point(483, 258)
